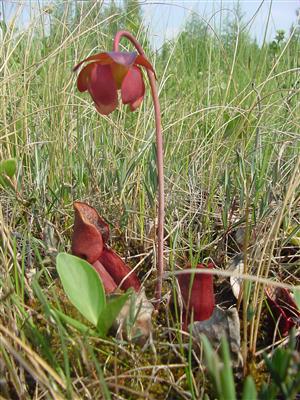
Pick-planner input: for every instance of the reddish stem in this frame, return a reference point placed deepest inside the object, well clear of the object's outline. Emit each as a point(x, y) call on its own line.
point(160, 161)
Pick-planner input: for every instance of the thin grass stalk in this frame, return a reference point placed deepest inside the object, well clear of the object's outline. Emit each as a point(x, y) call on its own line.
point(245, 286)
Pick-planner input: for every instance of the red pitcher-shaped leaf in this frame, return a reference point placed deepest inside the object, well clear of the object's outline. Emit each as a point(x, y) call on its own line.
point(109, 284)
point(118, 270)
point(90, 232)
point(283, 307)
point(197, 294)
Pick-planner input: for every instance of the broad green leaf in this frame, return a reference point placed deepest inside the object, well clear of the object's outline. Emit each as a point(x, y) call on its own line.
point(7, 170)
point(110, 312)
point(4, 182)
point(8, 167)
point(249, 389)
point(82, 285)
point(297, 296)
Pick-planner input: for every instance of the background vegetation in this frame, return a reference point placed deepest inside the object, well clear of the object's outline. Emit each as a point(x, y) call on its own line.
point(231, 115)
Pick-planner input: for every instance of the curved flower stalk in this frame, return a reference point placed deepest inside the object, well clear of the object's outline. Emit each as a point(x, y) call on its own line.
point(102, 76)
point(197, 294)
point(89, 239)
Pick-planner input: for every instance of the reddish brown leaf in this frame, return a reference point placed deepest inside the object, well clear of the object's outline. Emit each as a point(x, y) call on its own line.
point(88, 242)
point(283, 308)
point(90, 231)
point(119, 270)
point(109, 284)
point(197, 294)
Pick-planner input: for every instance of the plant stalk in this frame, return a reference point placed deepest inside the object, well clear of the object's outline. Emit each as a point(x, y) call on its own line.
point(160, 162)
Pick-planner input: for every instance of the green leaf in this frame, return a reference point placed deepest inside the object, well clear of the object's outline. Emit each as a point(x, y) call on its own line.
point(110, 312)
point(8, 167)
point(208, 353)
point(249, 389)
point(213, 365)
point(297, 296)
point(293, 235)
point(268, 391)
point(233, 125)
point(226, 374)
point(280, 362)
point(295, 241)
point(42, 298)
point(82, 286)
point(74, 323)
point(279, 365)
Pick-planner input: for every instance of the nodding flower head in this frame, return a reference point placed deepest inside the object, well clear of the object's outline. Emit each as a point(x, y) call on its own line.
point(106, 73)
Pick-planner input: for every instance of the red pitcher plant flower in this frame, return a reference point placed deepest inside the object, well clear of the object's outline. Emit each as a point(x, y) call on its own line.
point(102, 76)
point(197, 294)
point(89, 241)
point(106, 73)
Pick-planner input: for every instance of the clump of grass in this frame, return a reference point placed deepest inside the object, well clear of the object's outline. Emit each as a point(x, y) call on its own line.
point(231, 132)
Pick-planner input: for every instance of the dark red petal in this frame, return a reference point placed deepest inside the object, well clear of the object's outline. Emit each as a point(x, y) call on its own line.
point(108, 282)
point(126, 59)
point(103, 89)
point(84, 77)
point(133, 88)
point(200, 296)
point(133, 106)
point(101, 58)
point(90, 231)
point(118, 270)
point(141, 60)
